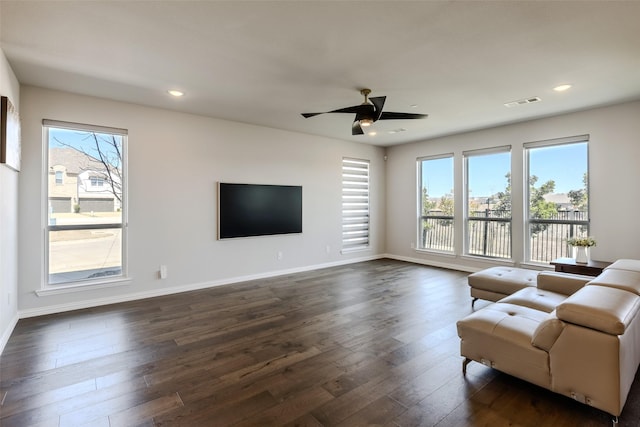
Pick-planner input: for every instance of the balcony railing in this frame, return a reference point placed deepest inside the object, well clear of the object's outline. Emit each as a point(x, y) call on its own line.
point(489, 234)
point(437, 233)
point(548, 237)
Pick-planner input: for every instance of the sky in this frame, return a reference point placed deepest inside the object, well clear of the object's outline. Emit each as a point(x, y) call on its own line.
point(565, 164)
point(82, 140)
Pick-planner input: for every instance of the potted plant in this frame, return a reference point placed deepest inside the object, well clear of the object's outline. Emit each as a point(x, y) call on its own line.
point(582, 244)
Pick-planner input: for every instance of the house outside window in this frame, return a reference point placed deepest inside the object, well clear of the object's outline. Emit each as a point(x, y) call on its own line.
point(436, 203)
point(86, 215)
point(558, 196)
point(355, 204)
point(488, 202)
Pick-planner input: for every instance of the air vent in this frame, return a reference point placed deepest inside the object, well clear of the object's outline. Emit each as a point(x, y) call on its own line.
point(523, 101)
point(397, 130)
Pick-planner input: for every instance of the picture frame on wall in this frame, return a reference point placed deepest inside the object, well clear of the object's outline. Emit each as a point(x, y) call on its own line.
point(10, 150)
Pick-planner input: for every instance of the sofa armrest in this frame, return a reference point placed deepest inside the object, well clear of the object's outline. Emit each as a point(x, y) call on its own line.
point(547, 332)
point(562, 283)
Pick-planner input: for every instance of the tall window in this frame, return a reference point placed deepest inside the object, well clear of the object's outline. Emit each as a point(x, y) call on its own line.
point(435, 210)
point(86, 224)
point(355, 204)
point(488, 202)
point(558, 196)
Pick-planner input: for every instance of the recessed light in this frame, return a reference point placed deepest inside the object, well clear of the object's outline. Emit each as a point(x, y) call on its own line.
point(176, 93)
point(561, 88)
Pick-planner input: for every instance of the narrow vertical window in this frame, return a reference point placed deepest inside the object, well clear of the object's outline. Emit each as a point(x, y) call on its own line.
point(355, 204)
point(558, 196)
point(85, 210)
point(488, 202)
point(435, 209)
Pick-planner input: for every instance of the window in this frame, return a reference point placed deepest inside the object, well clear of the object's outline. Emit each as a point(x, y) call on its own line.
point(86, 226)
point(355, 204)
point(97, 182)
point(558, 196)
point(488, 202)
point(435, 210)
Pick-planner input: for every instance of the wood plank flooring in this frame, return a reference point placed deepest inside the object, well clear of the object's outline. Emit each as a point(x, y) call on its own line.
point(372, 343)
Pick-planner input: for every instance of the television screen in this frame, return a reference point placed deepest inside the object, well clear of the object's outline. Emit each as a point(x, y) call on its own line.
point(246, 210)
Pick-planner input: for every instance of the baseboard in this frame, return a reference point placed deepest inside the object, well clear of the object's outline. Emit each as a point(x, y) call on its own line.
point(6, 334)
point(60, 308)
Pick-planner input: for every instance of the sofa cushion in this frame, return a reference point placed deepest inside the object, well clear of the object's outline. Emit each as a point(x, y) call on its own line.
point(547, 332)
point(538, 299)
point(504, 280)
point(605, 309)
point(563, 283)
point(627, 280)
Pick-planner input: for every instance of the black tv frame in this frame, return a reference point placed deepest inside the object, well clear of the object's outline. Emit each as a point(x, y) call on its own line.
point(251, 210)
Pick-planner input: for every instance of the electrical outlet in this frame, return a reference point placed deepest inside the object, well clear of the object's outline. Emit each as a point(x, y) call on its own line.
point(328, 249)
point(163, 271)
point(279, 255)
point(413, 245)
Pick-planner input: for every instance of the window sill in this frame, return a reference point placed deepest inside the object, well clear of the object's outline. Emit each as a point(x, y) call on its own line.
point(499, 261)
point(65, 289)
point(537, 265)
point(436, 252)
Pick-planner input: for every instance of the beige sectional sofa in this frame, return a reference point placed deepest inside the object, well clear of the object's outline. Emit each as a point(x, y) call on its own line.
point(578, 336)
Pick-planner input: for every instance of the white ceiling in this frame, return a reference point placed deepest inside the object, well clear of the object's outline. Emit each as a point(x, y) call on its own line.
point(265, 62)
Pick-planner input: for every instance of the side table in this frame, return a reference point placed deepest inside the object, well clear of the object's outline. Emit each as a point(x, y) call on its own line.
point(569, 265)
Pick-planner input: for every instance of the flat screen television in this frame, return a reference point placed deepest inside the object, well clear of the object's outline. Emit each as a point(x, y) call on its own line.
point(246, 210)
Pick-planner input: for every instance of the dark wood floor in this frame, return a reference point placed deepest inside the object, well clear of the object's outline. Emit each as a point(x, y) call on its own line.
point(372, 343)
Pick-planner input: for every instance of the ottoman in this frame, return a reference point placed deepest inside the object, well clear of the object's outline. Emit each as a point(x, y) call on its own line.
point(495, 283)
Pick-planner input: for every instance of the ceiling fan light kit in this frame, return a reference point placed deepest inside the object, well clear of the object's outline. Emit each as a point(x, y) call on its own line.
point(369, 112)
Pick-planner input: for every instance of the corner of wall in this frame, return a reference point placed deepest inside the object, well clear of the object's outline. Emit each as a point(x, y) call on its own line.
point(10, 87)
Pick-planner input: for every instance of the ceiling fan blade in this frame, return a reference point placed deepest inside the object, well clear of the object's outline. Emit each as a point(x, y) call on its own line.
point(378, 102)
point(356, 129)
point(355, 109)
point(388, 115)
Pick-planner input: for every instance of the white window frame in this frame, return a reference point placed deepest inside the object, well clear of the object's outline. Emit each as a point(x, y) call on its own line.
point(421, 217)
point(355, 204)
point(481, 152)
point(123, 278)
point(528, 146)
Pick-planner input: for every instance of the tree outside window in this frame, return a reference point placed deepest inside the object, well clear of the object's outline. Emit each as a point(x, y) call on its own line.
point(558, 197)
point(436, 216)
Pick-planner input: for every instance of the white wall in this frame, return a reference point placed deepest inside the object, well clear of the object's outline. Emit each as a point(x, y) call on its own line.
point(614, 176)
point(175, 161)
point(10, 88)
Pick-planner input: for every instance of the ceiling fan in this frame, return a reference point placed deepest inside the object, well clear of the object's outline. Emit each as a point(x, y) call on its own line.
point(369, 112)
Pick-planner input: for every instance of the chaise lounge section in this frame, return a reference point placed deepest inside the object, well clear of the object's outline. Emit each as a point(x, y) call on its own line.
point(495, 283)
point(578, 336)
